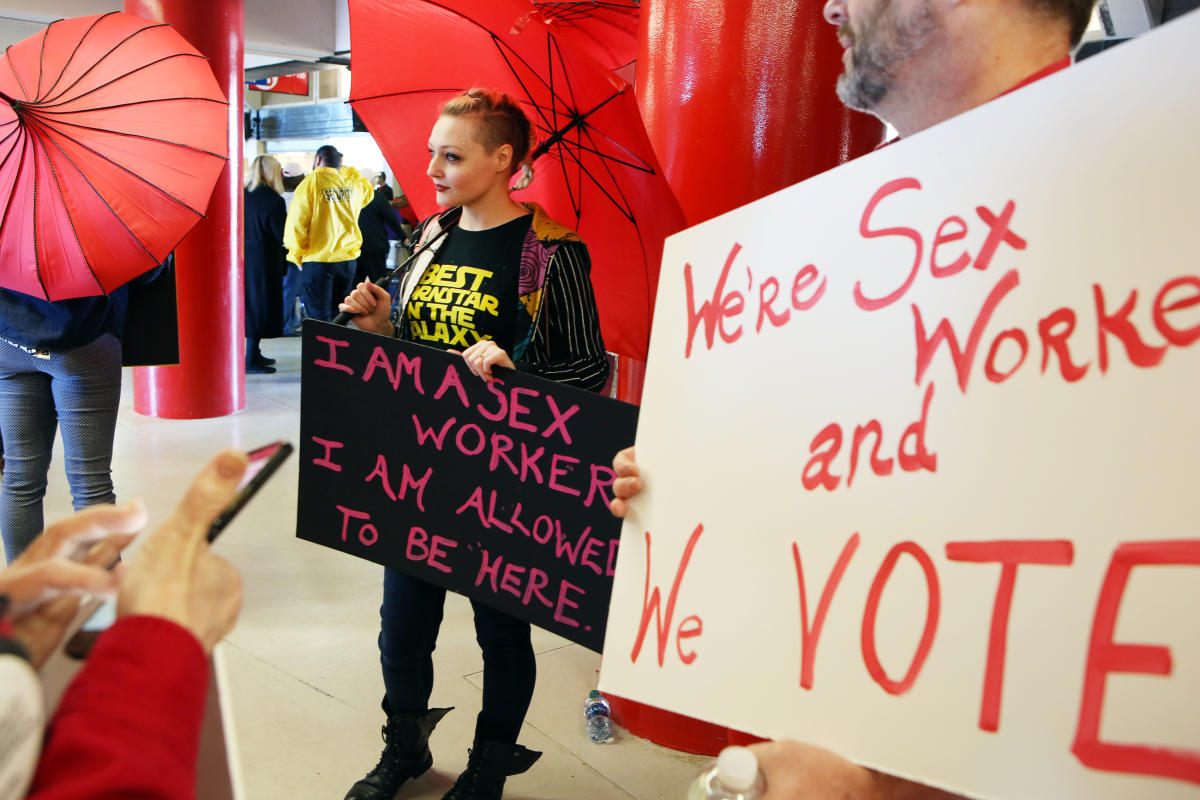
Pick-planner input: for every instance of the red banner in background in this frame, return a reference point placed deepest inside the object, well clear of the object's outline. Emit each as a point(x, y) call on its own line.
point(282, 84)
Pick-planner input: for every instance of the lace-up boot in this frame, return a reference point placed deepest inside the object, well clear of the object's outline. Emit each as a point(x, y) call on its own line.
point(405, 754)
point(490, 763)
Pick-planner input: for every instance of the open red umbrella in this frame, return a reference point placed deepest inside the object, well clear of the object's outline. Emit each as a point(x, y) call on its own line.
point(606, 31)
point(112, 136)
point(596, 170)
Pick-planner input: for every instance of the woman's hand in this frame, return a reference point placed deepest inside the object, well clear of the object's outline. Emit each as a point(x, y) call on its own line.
point(628, 483)
point(69, 559)
point(483, 355)
point(370, 305)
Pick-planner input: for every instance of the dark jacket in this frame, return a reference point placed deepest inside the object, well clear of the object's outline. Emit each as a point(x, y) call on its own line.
point(378, 222)
point(59, 325)
point(265, 262)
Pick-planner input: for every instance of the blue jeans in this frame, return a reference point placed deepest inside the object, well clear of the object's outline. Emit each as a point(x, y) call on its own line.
point(291, 291)
point(411, 615)
point(323, 285)
point(79, 388)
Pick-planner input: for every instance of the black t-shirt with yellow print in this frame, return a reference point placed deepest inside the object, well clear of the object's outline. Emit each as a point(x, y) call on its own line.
point(469, 292)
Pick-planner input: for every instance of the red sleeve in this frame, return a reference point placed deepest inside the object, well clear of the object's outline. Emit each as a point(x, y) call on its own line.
point(129, 724)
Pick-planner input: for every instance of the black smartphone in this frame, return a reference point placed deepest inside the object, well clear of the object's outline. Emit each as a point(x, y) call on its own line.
point(264, 461)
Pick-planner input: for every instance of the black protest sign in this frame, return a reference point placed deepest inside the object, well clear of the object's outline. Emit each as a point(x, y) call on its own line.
point(498, 491)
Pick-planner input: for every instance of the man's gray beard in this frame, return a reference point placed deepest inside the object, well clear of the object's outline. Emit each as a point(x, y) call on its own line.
point(861, 89)
point(890, 42)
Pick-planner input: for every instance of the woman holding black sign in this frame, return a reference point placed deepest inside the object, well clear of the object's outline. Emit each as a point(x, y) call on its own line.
point(525, 302)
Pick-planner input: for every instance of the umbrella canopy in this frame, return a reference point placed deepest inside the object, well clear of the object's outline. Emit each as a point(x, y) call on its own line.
point(606, 31)
point(112, 136)
point(595, 168)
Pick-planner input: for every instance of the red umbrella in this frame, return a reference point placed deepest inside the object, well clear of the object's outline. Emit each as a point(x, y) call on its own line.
point(596, 171)
point(112, 137)
point(606, 31)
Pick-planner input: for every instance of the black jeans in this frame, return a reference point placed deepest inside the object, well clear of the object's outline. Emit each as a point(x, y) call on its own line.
point(324, 284)
point(410, 617)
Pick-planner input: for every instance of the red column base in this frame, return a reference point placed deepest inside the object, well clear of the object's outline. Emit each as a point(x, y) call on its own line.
point(675, 731)
point(631, 374)
point(667, 728)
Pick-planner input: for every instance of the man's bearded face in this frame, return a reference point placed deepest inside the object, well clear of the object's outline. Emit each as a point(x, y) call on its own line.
point(883, 38)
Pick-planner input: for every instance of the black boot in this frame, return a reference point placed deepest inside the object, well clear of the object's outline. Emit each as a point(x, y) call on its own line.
point(405, 755)
point(490, 763)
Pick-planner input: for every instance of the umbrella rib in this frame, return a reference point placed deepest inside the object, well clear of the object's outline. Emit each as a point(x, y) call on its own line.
point(49, 104)
point(122, 167)
point(562, 162)
point(12, 192)
point(577, 121)
point(552, 50)
point(37, 261)
point(100, 60)
point(547, 121)
point(71, 220)
point(517, 77)
point(640, 167)
point(505, 49)
point(12, 68)
point(42, 59)
point(55, 124)
point(14, 132)
point(74, 51)
point(625, 200)
point(41, 110)
point(402, 94)
point(622, 208)
point(468, 20)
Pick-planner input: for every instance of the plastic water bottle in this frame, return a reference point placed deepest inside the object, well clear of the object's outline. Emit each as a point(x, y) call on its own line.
point(599, 723)
point(735, 776)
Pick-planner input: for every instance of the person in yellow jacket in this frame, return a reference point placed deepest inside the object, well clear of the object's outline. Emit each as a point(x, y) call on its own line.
point(322, 235)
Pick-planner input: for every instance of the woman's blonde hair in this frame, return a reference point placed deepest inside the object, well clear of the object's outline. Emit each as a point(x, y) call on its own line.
point(501, 121)
point(265, 170)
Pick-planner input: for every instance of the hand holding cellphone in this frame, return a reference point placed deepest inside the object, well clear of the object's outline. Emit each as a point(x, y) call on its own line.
point(264, 461)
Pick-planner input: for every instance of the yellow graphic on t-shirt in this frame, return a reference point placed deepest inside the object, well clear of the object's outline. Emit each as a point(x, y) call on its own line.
point(443, 306)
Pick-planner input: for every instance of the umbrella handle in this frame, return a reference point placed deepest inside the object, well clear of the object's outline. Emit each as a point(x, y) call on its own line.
point(447, 221)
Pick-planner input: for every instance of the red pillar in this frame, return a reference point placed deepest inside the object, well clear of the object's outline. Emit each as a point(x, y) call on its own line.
point(739, 101)
point(210, 379)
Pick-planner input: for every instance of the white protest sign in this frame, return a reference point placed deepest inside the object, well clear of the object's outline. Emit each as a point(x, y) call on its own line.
point(869, 392)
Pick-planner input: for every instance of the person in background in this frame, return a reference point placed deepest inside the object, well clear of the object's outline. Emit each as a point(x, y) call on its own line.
point(405, 210)
point(913, 64)
point(265, 260)
point(322, 235)
point(60, 364)
point(379, 224)
point(129, 723)
point(539, 320)
point(293, 174)
point(381, 185)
